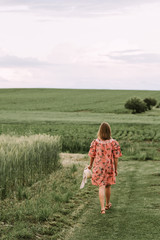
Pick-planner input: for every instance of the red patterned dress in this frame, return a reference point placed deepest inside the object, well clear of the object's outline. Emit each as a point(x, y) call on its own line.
point(104, 152)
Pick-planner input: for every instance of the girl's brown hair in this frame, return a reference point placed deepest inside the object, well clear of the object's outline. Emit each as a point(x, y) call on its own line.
point(104, 131)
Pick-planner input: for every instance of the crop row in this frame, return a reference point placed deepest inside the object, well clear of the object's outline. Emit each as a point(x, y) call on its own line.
point(77, 137)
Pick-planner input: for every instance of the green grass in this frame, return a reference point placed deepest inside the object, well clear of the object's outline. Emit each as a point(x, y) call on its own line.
point(79, 117)
point(52, 206)
point(68, 100)
point(135, 208)
point(57, 209)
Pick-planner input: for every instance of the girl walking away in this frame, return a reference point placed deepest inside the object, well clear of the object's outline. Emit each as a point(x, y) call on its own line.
point(104, 153)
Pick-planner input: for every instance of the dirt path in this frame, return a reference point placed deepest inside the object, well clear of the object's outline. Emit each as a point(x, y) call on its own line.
point(76, 158)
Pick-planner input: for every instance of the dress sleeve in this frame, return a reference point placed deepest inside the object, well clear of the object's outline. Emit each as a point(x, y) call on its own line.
point(92, 151)
point(116, 149)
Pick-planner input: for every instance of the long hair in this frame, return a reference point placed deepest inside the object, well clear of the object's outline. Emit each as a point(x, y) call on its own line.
point(104, 131)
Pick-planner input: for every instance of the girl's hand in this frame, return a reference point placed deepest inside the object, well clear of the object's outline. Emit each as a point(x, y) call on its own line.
point(116, 173)
point(89, 167)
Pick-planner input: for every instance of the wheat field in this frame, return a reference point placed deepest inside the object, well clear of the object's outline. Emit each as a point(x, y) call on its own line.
point(25, 160)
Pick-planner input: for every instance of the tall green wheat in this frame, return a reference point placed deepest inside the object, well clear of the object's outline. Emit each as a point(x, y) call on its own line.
point(26, 159)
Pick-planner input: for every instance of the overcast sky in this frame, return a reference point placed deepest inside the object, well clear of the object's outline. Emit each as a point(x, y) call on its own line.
point(98, 44)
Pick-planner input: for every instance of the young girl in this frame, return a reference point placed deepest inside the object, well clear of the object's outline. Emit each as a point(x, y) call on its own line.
point(104, 152)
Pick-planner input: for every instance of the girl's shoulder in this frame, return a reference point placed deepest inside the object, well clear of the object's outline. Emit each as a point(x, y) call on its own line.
point(115, 144)
point(98, 140)
point(114, 141)
point(93, 143)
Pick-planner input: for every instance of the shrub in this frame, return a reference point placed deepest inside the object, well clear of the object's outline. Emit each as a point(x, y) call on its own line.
point(158, 105)
point(136, 104)
point(150, 102)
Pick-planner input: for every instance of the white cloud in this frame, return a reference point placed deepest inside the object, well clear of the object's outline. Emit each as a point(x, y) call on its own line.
point(3, 80)
point(74, 8)
point(135, 57)
point(9, 61)
point(13, 8)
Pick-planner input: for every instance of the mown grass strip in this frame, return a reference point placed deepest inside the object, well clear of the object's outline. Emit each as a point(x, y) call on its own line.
point(78, 117)
point(135, 211)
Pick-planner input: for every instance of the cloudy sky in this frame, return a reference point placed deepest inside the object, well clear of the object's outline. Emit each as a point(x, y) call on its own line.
point(98, 44)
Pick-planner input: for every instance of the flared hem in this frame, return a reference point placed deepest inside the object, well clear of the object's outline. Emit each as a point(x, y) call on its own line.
point(99, 185)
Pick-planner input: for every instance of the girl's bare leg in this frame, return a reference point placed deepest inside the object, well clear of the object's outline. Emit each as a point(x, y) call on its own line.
point(102, 196)
point(108, 194)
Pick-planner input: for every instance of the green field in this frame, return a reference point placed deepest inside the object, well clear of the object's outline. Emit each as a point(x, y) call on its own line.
point(53, 208)
point(67, 100)
point(75, 115)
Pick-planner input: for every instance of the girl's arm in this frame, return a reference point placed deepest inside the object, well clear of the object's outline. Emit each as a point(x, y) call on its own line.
point(116, 165)
point(91, 162)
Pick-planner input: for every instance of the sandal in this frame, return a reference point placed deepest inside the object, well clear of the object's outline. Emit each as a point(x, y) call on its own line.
point(103, 211)
point(108, 206)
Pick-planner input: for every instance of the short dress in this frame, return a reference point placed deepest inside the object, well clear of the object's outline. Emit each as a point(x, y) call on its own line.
point(104, 152)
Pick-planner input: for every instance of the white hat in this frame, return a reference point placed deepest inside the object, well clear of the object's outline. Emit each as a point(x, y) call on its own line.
point(87, 173)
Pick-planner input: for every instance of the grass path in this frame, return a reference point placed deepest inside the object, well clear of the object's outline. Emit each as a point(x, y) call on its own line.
point(136, 208)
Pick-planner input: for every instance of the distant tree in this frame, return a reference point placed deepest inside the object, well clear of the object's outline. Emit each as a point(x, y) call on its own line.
point(150, 102)
point(136, 104)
